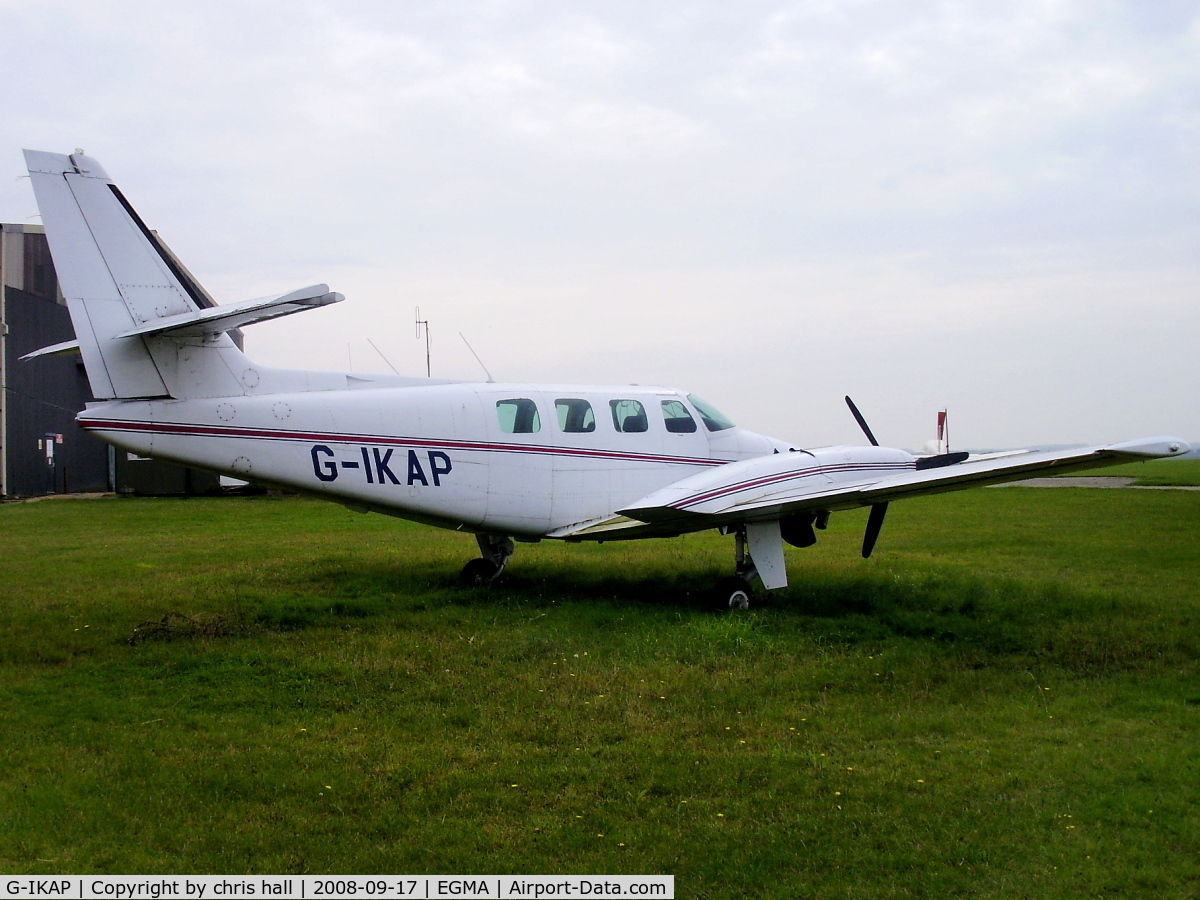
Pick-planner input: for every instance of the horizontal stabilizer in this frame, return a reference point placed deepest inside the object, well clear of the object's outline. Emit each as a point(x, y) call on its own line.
point(66, 348)
point(219, 319)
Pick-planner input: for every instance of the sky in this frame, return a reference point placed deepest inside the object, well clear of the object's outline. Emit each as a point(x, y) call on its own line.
point(988, 208)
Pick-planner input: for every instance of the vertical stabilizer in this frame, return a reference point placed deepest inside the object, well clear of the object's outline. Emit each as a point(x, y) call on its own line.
point(115, 278)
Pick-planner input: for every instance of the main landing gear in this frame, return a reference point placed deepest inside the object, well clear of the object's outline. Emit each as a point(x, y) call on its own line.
point(759, 555)
point(496, 549)
point(735, 592)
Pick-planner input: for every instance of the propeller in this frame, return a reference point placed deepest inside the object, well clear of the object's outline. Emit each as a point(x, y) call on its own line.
point(874, 523)
point(862, 423)
point(878, 510)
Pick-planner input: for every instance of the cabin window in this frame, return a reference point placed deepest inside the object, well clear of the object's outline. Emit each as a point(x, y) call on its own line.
point(713, 419)
point(628, 415)
point(677, 418)
point(575, 416)
point(518, 416)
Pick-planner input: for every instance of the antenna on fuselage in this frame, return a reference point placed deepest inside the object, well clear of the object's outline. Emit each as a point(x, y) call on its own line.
point(490, 379)
point(424, 322)
point(381, 356)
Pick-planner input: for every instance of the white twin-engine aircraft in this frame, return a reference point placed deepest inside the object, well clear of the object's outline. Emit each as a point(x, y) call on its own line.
point(501, 461)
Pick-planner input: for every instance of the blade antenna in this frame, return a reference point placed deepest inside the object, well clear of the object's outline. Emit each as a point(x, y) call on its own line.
point(381, 356)
point(862, 423)
point(490, 379)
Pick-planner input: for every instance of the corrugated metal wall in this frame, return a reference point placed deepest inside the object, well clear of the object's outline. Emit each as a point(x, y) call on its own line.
point(40, 397)
point(43, 396)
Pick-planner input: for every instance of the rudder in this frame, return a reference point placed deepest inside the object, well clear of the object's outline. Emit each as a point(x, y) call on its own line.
point(115, 277)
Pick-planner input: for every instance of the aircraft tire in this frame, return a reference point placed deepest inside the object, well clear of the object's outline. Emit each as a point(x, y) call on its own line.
point(478, 573)
point(733, 594)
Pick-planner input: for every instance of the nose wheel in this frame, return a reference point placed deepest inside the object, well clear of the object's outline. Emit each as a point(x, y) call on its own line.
point(481, 572)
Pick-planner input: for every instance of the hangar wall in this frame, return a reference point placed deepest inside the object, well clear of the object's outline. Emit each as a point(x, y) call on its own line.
point(41, 449)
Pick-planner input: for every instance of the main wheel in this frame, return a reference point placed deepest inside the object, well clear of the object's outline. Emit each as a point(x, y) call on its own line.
point(733, 593)
point(478, 572)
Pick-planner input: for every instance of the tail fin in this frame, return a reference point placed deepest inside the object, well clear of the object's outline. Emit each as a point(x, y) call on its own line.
point(119, 281)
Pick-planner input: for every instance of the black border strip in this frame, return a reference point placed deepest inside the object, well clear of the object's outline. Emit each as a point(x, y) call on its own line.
point(182, 277)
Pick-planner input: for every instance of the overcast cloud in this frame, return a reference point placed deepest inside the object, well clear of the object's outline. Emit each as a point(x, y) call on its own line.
point(986, 207)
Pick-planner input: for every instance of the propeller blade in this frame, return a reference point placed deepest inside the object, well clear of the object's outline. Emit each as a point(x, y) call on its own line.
point(862, 423)
point(874, 523)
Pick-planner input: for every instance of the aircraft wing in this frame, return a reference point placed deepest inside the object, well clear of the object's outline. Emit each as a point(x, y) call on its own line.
point(770, 487)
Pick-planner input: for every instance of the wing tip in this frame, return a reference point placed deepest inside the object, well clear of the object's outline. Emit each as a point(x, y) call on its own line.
point(1161, 447)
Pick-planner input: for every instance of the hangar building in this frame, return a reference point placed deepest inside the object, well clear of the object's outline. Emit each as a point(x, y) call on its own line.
point(42, 451)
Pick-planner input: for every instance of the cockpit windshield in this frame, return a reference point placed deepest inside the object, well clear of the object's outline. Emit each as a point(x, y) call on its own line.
point(714, 419)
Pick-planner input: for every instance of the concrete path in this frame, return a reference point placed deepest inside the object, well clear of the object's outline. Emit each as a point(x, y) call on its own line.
point(41, 497)
point(1098, 481)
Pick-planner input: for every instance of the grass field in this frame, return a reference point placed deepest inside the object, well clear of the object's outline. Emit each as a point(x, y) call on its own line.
point(1002, 702)
point(1155, 472)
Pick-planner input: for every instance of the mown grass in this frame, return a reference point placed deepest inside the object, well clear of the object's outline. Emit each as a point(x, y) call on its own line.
point(1002, 702)
point(1154, 472)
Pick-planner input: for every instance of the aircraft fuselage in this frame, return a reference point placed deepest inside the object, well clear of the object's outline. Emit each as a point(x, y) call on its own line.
point(444, 454)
